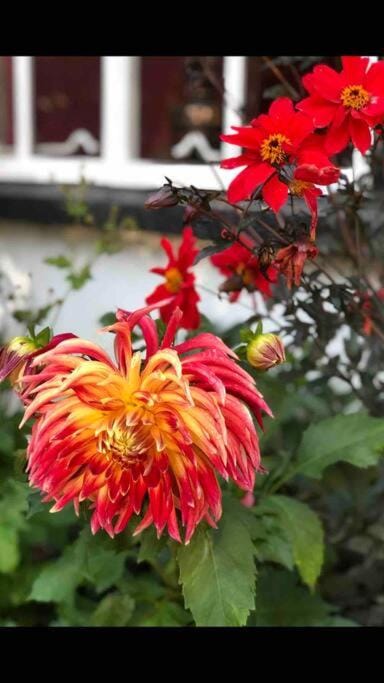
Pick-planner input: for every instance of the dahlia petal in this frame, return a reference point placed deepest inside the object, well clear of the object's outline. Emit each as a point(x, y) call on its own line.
point(241, 160)
point(375, 108)
point(275, 193)
point(248, 181)
point(354, 69)
point(337, 138)
point(320, 110)
point(375, 79)
point(360, 134)
point(205, 340)
point(282, 108)
point(327, 82)
point(246, 136)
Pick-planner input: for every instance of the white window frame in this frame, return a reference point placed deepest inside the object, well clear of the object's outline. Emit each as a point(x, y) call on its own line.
point(118, 164)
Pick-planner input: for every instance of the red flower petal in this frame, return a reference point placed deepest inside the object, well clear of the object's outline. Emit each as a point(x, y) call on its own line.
point(246, 136)
point(360, 134)
point(354, 69)
point(308, 82)
point(321, 111)
point(281, 108)
point(241, 160)
point(375, 107)
point(324, 175)
point(375, 79)
point(337, 138)
point(310, 197)
point(275, 193)
point(327, 82)
point(247, 181)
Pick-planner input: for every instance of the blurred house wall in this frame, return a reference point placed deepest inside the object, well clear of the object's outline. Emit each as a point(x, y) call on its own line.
point(121, 279)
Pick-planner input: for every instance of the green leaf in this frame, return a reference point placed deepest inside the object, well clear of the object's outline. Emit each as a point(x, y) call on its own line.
point(108, 318)
point(165, 614)
point(78, 280)
point(282, 602)
point(217, 571)
point(304, 531)
point(271, 543)
point(357, 439)
point(44, 336)
point(90, 558)
point(57, 580)
point(114, 610)
point(150, 546)
point(9, 549)
point(58, 261)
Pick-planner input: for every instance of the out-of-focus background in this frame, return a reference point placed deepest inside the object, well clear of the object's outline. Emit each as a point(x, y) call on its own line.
point(123, 124)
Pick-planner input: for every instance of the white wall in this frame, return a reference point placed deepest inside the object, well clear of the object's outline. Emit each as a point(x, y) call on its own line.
point(121, 279)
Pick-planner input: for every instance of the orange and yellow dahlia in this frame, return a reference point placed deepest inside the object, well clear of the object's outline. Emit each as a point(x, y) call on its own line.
point(142, 436)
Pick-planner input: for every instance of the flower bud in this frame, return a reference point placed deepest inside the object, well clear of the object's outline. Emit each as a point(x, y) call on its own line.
point(265, 351)
point(14, 357)
point(162, 198)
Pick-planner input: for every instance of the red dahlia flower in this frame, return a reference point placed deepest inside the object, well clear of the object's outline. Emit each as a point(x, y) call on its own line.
point(290, 260)
point(280, 150)
point(243, 270)
point(351, 102)
point(136, 436)
point(179, 283)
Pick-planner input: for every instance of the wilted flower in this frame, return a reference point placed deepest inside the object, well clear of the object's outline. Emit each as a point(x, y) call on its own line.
point(162, 198)
point(243, 271)
point(264, 351)
point(368, 303)
point(179, 285)
point(290, 260)
point(142, 436)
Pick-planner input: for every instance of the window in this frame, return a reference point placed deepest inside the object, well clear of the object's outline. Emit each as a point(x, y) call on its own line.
point(128, 121)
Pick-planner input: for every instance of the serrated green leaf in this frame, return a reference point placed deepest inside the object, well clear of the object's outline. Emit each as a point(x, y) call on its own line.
point(114, 610)
point(217, 571)
point(304, 531)
point(357, 439)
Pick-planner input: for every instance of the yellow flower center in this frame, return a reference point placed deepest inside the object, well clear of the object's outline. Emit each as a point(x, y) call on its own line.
point(272, 148)
point(174, 280)
point(125, 444)
point(355, 97)
point(298, 187)
point(246, 273)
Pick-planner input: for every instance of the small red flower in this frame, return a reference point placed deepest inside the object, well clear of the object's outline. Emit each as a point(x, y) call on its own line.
point(290, 260)
point(179, 282)
point(243, 270)
point(278, 145)
point(351, 101)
